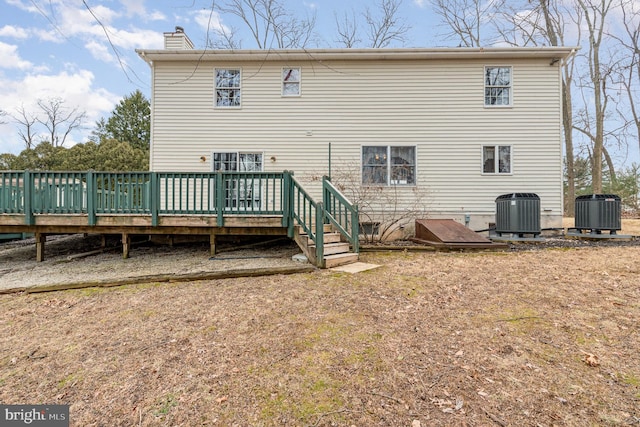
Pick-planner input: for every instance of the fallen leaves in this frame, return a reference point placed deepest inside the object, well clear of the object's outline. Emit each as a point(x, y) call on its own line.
point(591, 359)
point(448, 406)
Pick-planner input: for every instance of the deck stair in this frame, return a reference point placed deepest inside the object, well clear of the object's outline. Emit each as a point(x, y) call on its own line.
point(336, 251)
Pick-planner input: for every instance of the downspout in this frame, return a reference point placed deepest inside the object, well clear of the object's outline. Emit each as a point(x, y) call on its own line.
point(329, 175)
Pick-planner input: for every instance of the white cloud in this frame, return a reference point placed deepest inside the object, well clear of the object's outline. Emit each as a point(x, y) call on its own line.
point(100, 51)
point(137, 8)
point(9, 57)
point(134, 7)
point(76, 90)
point(22, 4)
point(157, 16)
point(15, 32)
point(420, 3)
point(136, 38)
point(73, 20)
point(208, 20)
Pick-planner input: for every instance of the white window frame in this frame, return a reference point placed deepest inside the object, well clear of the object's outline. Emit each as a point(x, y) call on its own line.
point(241, 194)
point(488, 87)
point(238, 160)
point(498, 168)
point(384, 159)
point(216, 88)
point(289, 82)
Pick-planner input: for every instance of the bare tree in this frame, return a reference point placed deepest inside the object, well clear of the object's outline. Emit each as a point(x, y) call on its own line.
point(347, 31)
point(226, 39)
point(522, 25)
point(53, 123)
point(629, 66)
point(269, 22)
point(383, 26)
point(545, 24)
point(26, 122)
point(468, 20)
point(595, 14)
point(2, 115)
point(553, 30)
point(58, 120)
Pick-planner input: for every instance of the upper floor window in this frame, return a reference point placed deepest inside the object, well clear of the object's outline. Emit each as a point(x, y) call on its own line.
point(227, 87)
point(497, 86)
point(496, 159)
point(385, 165)
point(290, 81)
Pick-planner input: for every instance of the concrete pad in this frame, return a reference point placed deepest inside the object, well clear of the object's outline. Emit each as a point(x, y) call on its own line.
point(356, 267)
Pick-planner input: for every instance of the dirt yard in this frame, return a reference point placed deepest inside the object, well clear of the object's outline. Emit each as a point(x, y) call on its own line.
point(78, 261)
point(531, 337)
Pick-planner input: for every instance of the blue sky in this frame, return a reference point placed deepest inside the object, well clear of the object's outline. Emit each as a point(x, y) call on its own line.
point(59, 49)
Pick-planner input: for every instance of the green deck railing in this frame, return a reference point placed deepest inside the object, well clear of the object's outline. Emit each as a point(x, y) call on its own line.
point(341, 213)
point(155, 194)
point(309, 215)
point(143, 193)
point(12, 192)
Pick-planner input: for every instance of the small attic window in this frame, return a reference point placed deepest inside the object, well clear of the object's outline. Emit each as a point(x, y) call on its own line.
point(291, 82)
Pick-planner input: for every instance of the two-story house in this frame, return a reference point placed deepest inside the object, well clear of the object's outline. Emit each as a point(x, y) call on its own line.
point(443, 131)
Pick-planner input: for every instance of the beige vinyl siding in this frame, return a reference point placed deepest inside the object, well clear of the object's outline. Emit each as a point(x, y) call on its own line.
point(177, 41)
point(437, 106)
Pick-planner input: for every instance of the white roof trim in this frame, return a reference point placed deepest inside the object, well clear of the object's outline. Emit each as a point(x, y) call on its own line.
point(357, 54)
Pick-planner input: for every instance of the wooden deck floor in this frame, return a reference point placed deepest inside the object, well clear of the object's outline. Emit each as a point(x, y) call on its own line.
point(131, 225)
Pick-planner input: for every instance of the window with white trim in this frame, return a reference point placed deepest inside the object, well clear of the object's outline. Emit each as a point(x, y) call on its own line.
point(227, 87)
point(237, 162)
point(240, 192)
point(497, 86)
point(388, 165)
point(496, 159)
point(291, 82)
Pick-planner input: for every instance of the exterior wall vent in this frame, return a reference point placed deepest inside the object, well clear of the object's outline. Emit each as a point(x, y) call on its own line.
point(518, 213)
point(597, 212)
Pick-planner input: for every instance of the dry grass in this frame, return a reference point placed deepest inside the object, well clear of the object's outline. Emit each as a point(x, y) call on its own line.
point(547, 337)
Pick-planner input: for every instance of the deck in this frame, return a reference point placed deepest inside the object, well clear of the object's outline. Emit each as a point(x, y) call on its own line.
point(173, 203)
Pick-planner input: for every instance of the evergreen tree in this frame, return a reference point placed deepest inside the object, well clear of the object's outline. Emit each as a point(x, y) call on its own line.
point(130, 122)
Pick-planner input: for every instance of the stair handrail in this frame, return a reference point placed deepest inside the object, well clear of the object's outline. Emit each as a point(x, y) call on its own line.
point(309, 215)
point(341, 213)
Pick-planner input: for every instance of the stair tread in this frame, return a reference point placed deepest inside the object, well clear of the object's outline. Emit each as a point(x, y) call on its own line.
point(332, 244)
point(340, 259)
point(342, 255)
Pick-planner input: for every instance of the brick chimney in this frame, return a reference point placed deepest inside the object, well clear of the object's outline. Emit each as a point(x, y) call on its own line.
point(177, 40)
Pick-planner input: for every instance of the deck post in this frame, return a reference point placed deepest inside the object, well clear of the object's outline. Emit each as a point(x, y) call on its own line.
point(28, 197)
point(154, 198)
point(40, 241)
point(126, 245)
point(355, 229)
point(91, 198)
point(220, 199)
point(212, 244)
point(320, 235)
point(289, 203)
